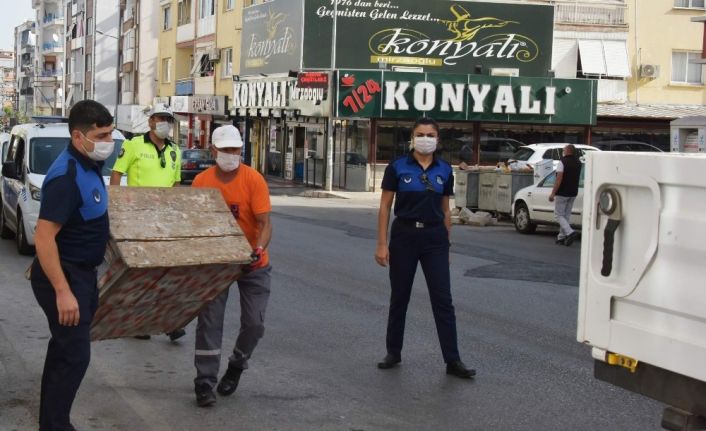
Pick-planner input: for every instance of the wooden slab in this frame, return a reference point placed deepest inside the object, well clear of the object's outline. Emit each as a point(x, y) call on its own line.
point(166, 223)
point(180, 199)
point(185, 252)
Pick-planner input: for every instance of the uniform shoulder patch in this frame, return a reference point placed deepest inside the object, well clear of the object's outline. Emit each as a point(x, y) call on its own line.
point(122, 153)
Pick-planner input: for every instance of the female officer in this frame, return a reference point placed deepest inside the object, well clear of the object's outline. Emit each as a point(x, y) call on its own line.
point(420, 185)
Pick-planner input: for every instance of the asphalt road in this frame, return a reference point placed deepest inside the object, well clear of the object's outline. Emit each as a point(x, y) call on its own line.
point(515, 300)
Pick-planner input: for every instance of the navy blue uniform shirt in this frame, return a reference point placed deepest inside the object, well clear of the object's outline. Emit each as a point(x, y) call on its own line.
point(418, 192)
point(74, 196)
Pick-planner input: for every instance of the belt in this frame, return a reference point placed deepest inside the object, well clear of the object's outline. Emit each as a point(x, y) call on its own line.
point(416, 224)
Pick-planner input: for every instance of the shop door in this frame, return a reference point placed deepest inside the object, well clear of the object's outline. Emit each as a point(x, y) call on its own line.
point(350, 156)
point(299, 153)
point(275, 150)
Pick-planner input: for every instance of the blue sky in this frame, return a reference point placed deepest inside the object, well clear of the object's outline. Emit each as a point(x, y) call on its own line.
point(11, 17)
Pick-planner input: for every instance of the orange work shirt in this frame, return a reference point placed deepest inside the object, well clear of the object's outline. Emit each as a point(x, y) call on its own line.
point(247, 195)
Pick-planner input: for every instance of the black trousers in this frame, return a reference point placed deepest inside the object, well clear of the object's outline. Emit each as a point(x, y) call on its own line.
point(429, 246)
point(69, 351)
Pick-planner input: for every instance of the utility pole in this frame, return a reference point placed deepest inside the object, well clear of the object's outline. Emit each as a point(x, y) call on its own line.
point(331, 126)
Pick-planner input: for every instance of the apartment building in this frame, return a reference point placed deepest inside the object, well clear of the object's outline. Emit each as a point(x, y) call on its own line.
point(91, 66)
point(139, 58)
point(199, 41)
point(48, 73)
point(7, 79)
point(25, 41)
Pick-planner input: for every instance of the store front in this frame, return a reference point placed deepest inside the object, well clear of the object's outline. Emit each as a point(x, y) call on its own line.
point(286, 118)
point(490, 115)
point(196, 117)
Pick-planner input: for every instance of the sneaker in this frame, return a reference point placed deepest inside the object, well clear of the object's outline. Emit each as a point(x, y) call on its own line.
point(229, 381)
point(559, 241)
point(204, 395)
point(571, 238)
point(175, 335)
point(459, 369)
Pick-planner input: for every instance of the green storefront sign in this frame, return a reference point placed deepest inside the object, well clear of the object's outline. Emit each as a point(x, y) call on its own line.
point(455, 97)
point(439, 36)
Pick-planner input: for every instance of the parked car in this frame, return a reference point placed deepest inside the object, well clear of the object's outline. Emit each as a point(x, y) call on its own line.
point(531, 206)
point(33, 148)
point(492, 149)
point(636, 146)
point(193, 162)
point(529, 155)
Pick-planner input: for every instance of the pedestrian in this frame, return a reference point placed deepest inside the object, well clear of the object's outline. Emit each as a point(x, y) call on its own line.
point(566, 187)
point(71, 237)
point(248, 197)
point(151, 159)
point(420, 184)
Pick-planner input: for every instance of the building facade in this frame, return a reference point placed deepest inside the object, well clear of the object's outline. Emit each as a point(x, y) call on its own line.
point(48, 78)
point(92, 35)
point(25, 41)
point(7, 79)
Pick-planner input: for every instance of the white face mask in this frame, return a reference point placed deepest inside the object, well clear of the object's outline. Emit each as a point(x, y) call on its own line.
point(227, 162)
point(163, 129)
point(101, 149)
point(424, 144)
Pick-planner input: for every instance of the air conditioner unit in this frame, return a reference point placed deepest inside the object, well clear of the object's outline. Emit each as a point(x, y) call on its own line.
point(214, 54)
point(649, 71)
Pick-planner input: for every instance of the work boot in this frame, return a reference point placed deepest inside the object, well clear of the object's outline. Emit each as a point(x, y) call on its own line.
point(389, 361)
point(204, 395)
point(229, 381)
point(459, 369)
point(175, 335)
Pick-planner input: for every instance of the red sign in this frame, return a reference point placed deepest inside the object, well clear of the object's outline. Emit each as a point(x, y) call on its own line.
point(312, 80)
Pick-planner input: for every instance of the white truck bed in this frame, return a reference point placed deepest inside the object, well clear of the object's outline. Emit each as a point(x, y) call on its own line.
point(652, 305)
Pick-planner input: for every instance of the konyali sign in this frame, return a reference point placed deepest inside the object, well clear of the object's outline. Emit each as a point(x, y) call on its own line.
point(436, 35)
point(308, 94)
point(378, 94)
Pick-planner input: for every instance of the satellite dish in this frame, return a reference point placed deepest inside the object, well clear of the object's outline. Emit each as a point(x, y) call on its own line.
point(55, 37)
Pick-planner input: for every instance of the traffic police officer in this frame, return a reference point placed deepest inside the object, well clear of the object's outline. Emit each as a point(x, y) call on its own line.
point(420, 185)
point(151, 160)
point(71, 237)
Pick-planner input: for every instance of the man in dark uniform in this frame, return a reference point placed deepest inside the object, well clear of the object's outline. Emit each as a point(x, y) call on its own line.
point(71, 237)
point(420, 185)
point(566, 187)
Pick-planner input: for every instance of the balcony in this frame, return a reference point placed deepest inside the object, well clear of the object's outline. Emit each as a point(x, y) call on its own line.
point(77, 43)
point(206, 26)
point(52, 48)
point(186, 33)
point(50, 75)
point(185, 87)
point(27, 49)
point(577, 12)
point(51, 19)
point(204, 85)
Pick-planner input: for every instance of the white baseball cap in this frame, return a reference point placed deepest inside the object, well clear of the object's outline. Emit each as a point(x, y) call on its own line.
point(226, 137)
point(161, 110)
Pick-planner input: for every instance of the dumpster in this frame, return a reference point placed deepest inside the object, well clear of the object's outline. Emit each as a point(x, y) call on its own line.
point(460, 188)
point(507, 185)
point(172, 250)
point(487, 191)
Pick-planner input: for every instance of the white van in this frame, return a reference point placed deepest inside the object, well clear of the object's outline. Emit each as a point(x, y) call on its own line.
point(32, 149)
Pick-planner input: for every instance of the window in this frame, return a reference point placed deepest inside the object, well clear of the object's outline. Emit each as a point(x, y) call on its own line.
point(229, 5)
point(89, 25)
point(207, 8)
point(167, 13)
point(684, 71)
point(202, 65)
point(184, 12)
point(128, 85)
point(89, 62)
point(694, 4)
point(227, 63)
point(166, 70)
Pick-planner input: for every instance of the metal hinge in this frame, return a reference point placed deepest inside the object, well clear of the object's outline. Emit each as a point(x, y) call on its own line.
point(622, 361)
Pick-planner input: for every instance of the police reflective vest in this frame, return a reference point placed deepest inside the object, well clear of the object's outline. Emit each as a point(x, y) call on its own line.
point(146, 166)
